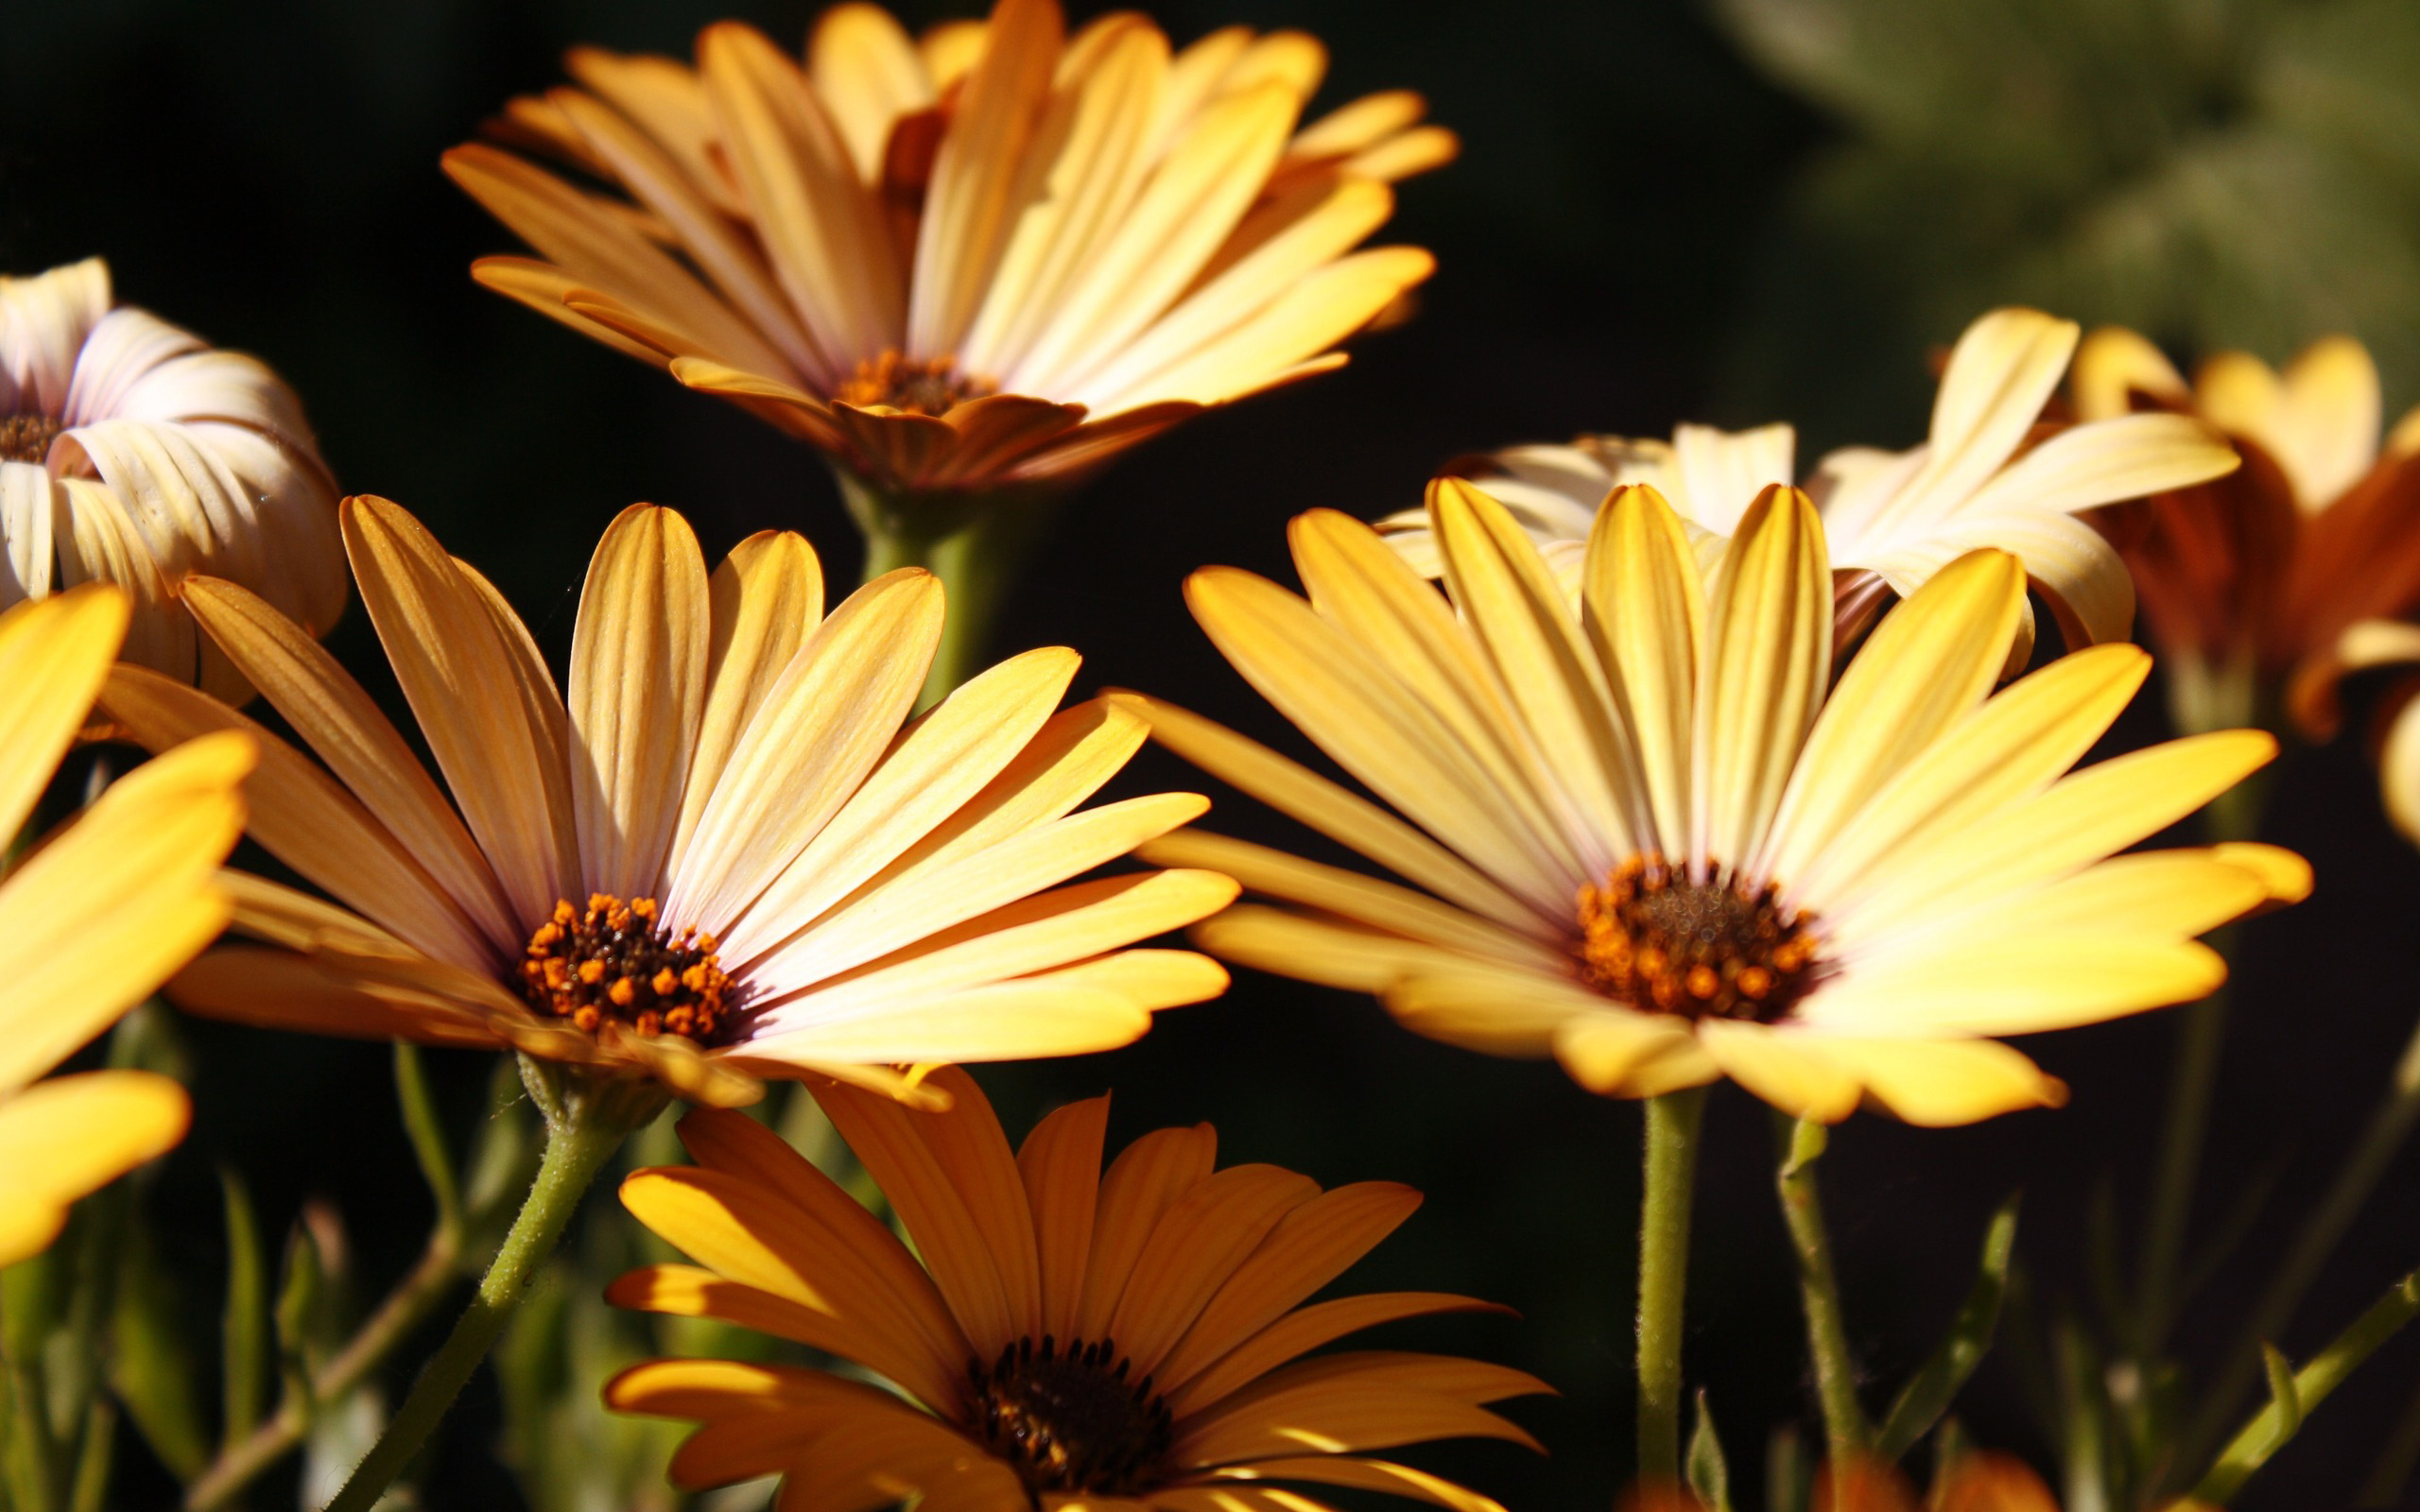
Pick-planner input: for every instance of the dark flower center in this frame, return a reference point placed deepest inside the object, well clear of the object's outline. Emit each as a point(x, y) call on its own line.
point(27, 437)
point(1070, 1421)
point(613, 960)
point(918, 385)
point(1661, 942)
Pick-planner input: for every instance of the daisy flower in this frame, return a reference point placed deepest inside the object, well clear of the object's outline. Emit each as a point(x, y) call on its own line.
point(1650, 839)
point(723, 853)
point(1989, 474)
point(121, 896)
point(1058, 1338)
point(132, 452)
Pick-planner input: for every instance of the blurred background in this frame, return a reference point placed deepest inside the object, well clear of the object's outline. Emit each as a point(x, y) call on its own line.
point(1738, 212)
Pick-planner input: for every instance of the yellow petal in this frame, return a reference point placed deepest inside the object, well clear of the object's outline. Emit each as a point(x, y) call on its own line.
point(1501, 1012)
point(1328, 952)
point(1787, 1068)
point(1939, 1083)
point(1644, 611)
point(1980, 983)
point(72, 1135)
point(764, 600)
point(2113, 365)
point(1769, 654)
point(1616, 1053)
point(54, 654)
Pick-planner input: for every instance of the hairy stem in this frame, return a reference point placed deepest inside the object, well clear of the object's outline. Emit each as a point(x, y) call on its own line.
point(1827, 1339)
point(1672, 1123)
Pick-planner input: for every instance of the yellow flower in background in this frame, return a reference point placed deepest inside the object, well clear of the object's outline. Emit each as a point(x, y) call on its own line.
point(1988, 476)
point(2257, 575)
point(994, 256)
point(132, 452)
point(118, 899)
point(724, 853)
point(1059, 1337)
point(1650, 839)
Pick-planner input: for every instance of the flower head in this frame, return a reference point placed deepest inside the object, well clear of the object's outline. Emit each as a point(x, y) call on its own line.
point(1067, 1338)
point(994, 256)
point(1650, 839)
point(1989, 474)
point(133, 454)
point(2266, 569)
point(119, 898)
point(723, 853)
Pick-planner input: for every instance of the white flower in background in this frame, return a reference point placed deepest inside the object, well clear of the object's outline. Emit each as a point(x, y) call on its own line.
point(131, 452)
point(1988, 476)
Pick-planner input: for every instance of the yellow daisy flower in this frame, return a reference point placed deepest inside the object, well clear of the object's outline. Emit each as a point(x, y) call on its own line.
point(120, 898)
point(1066, 1339)
point(993, 257)
point(724, 853)
point(132, 452)
point(1647, 839)
point(1988, 476)
point(2252, 578)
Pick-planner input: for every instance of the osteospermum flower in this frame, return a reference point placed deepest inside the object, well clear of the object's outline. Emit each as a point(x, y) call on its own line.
point(2252, 578)
point(1987, 475)
point(992, 257)
point(119, 898)
point(1059, 1338)
point(132, 452)
point(722, 853)
point(1645, 838)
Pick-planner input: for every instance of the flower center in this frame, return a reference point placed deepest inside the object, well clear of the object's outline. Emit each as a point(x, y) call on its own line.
point(27, 437)
point(1661, 942)
point(613, 960)
point(918, 385)
point(1072, 1421)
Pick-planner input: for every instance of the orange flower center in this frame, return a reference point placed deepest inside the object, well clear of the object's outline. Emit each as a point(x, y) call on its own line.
point(918, 385)
point(1072, 1421)
point(613, 960)
point(1660, 942)
point(27, 437)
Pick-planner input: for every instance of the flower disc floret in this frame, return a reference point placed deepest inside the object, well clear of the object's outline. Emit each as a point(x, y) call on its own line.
point(615, 960)
point(27, 437)
point(1072, 1421)
point(1658, 940)
point(913, 387)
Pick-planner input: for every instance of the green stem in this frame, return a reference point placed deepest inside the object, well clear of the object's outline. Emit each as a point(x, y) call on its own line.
point(1672, 1123)
point(1845, 1429)
point(586, 1124)
point(2389, 1128)
point(973, 544)
point(2274, 1425)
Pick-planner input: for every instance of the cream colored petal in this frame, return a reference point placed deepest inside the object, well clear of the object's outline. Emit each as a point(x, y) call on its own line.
point(71, 1136)
point(818, 732)
point(1491, 1009)
point(1345, 700)
point(1329, 951)
point(1927, 665)
point(305, 818)
point(459, 673)
point(26, 510)
point(865, 69)
point(1026, 1019)
point(121, 899)
point(968, 211)
point(1769, 654)
point(2399, 771)
point(1644, 611)
point(2086, 466)
point(821, 225)
point(764, 601)
point(2113, 365)
point(1786, 1067)
point(54, 656)
point(638, 686)
point(2013, 746)
point(1344, 817)
point(2083, 818)
point(279, 915)
point(547, 289)
point(2169, 894)
point(1980, 983)
point(2333, 410)
point(941, 762)
point(1941, 1083)
point(2003, 370)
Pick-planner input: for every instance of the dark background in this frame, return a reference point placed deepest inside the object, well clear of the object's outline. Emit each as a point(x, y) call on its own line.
point(1661, 214)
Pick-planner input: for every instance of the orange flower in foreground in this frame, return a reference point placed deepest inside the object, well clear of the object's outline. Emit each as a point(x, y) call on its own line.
point(997, 255)
point(1058, 1338)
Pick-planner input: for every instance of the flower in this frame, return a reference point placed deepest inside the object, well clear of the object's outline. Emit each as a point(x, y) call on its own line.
point(131, 453)
point(1988, 476)
point(119, 898)
point(725, 854)
point(2262, 572)
point(1647, 840)
point(988, 259)
point(1067, 1339)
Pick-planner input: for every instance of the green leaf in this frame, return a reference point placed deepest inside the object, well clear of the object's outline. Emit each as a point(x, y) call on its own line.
point(427, 1135)
point(298, 1303)
point(2294, 1392)
point(2283, 1393)
point(244, 1326)
point(153, 1364)
point(1708, 1474)
point(1930, 1392)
